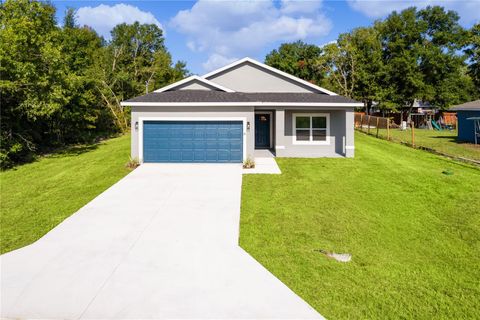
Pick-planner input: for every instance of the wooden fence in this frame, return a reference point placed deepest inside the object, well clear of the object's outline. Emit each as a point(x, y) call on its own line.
point(372, 124)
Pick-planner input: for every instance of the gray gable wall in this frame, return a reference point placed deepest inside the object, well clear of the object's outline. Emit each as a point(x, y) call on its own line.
point(247, 77)
point(195, 85)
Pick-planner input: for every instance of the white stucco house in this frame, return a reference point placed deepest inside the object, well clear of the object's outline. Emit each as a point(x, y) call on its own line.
point(225, 115)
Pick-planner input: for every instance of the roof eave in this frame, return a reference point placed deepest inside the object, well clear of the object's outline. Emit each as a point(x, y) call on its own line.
point(243, 104)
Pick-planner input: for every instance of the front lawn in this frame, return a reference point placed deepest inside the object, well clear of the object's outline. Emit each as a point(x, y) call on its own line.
point(38, 196)
point(412, 230)
point(444, 141)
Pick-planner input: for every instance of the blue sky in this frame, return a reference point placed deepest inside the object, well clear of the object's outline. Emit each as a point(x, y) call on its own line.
point(208, 34)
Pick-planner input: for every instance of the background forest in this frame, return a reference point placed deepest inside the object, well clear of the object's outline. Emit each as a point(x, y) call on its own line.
point(62, 84)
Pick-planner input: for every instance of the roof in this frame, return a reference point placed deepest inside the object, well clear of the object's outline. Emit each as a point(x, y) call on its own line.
point(267, 67)
point(238, 98)
point(468, 106)
point(191, 96)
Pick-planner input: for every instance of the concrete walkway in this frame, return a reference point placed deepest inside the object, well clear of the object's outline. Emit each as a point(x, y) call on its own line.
point(264, 163)
point(161, 243)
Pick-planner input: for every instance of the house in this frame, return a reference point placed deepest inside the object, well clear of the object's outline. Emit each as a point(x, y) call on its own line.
point(468, 117)
point(228, 114)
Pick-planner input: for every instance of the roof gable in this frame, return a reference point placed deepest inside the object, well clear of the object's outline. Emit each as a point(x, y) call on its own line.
point(194, 83)
point(249, 75)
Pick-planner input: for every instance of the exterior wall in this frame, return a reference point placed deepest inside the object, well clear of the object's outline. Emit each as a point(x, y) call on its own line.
point(193, 112)
point(341, 135)
point(466, 130)
point(195, 85)
point(251, 78)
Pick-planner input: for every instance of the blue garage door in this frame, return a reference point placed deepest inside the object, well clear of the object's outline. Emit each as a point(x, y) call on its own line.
point(192, 141)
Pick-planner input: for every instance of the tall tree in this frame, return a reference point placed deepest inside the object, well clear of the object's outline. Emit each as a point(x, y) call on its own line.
point(63, 85)
point(134, 62)
point(69, 21)
point(83, 115)
point(401, 37)
point(297, 58)
point(473, 51)
point(420, 54)
point(339, 62)
point(441, 64)
point(354, 65)
point(32, 75)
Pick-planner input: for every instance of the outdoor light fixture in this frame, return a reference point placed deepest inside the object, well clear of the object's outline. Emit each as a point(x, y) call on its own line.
point(136, 125)
point(248, 125)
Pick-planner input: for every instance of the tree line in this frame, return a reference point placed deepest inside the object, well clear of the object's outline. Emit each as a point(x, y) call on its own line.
point(423, 55)
point(62, 85)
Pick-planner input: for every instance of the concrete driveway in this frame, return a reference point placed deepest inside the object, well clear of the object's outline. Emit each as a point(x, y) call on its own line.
point(161, 243)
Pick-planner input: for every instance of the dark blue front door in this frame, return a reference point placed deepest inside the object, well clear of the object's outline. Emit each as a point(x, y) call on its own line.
point(192, 141)
point(262, 131)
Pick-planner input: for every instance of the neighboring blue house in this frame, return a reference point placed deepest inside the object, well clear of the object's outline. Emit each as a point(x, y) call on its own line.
point(468, 117)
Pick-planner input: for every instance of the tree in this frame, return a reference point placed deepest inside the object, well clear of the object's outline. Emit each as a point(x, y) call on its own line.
point(83, 115)
point(134, 62)
point(401, 38)
point(354, 65)
point(63, 85)
point(339, 62)
point(441, 64)
point(473, 51)
point(370, 69)
point(297, 58)
point(69, 21)
point(420, 54)
point(32, 74)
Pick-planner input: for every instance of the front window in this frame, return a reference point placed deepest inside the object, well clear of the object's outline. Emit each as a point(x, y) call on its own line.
point(311, 128)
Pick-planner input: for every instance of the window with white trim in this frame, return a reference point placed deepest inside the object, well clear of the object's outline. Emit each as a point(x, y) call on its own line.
point(311, 128)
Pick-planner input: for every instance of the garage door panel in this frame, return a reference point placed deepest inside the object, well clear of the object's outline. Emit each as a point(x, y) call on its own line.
point(200, 156)
point(193, 141)
point(235, 146)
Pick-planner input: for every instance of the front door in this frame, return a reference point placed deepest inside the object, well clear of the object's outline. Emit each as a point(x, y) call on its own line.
point(262, 131)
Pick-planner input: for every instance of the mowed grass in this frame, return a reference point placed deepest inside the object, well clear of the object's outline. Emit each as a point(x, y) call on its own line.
point(444, 141)
point(413, 232)
point(38, 196)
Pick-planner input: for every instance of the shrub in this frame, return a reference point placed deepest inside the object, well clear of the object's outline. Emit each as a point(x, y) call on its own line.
point(249, 164)
point(132, 163)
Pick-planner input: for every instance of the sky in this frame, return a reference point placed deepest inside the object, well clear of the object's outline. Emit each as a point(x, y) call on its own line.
point(208, 34)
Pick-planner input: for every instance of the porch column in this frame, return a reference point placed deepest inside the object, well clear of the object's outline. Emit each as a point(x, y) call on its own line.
point(279, 130)
point(349, 134)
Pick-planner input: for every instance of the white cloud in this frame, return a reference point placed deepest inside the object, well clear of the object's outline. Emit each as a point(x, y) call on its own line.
point(303, 6)
point(103, 17)
point(467, 9)
point(216, 61)
point(224, 29)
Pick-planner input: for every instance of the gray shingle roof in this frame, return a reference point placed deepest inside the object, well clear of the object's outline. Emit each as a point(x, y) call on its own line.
point(472, 105)
point(179, 96)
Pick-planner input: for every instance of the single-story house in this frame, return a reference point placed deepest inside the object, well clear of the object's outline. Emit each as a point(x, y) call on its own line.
point(227, 114)
point(468, 117)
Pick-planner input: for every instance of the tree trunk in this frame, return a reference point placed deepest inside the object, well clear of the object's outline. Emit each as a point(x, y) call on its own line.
point(409, 115)
point(369, 107)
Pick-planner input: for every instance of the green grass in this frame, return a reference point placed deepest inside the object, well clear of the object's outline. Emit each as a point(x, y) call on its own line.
point(38, 196)
point(442, 141)
point(413, 231)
